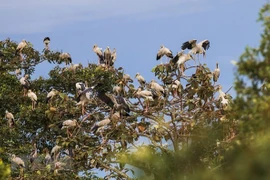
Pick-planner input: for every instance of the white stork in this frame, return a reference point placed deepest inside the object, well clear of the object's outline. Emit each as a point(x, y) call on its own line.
point(216, 73)
point(17, 161)
point(67, 124)
point(51, 94)
point(107, 56)
point(113, 57)
point(199, 48)
point(140, 79)
point(99, 53)
point(46, 42)
point(99, 125)
point(164, 51)
point(33, 98)
point(20, 47)
point(66, 57)
point(10, 118)
point(25, 83)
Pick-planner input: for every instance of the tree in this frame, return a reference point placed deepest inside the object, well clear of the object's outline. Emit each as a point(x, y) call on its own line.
point(181, 122)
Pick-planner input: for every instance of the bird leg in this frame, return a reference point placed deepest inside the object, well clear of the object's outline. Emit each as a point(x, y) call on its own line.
point(21, 56)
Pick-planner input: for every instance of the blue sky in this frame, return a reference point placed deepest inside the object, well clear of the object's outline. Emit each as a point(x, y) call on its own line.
point(135, 28)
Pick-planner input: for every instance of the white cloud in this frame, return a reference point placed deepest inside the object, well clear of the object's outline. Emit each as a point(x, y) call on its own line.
point(31, 16)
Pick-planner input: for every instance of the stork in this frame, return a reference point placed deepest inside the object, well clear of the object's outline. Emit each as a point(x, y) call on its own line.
point(55, 152)
point(50, 95)
point(140, 79)
point(33, 154)
point(25, 83)
point(10, 118)
point(74, 67)
point(176, 88)
point(121, 103)
point(154, 85)
point(180, 59)
point(66, 57)
point(199, 48)
point(113, 57)
point(127, 78)
point(20, 47)
point(46, 42)
point(48, 157)
point(84, 98)
point(117, 89)
point(99, 125)
point(99, 53)
point(164, 51)
point(147, 95)
point(107, 56)
point(33, 98)
point(67, 124)
point(17, 161)
point(216, 73)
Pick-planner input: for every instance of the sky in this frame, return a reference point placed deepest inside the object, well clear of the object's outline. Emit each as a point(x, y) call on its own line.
point(136, 29)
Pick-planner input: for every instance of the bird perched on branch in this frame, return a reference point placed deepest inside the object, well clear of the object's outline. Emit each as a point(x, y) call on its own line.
point(113, 57)
point(199, 48)
point(67, 124)
point(48, 157)
point(84, 97)
point(17, 161)
point(216, 73)
point(164, 51)
point(66, 57)
point(107, 56)
point(33, 154)
point(180, 59)
point(100, 125)
point(10, 119)
point(99, 53)
point(51, 94)
point(20, 47)
point(154, 85)
point(25, 83)
point(127, 78)
point(147, 95)
point(55, 152)
point(46, 42)
point(140, 79)
point(33, 98)
point(121, 103)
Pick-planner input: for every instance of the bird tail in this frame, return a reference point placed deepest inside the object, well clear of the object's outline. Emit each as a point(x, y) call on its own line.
point(94, 128)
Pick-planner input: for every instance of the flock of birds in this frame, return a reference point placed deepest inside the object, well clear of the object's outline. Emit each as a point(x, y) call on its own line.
point(118, 104)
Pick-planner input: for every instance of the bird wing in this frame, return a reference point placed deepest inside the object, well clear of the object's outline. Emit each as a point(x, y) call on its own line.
point(205, 44)
point(176, 58)
point(160, 53)
point(189, 44)
point(168, 52)
point(46, 39)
